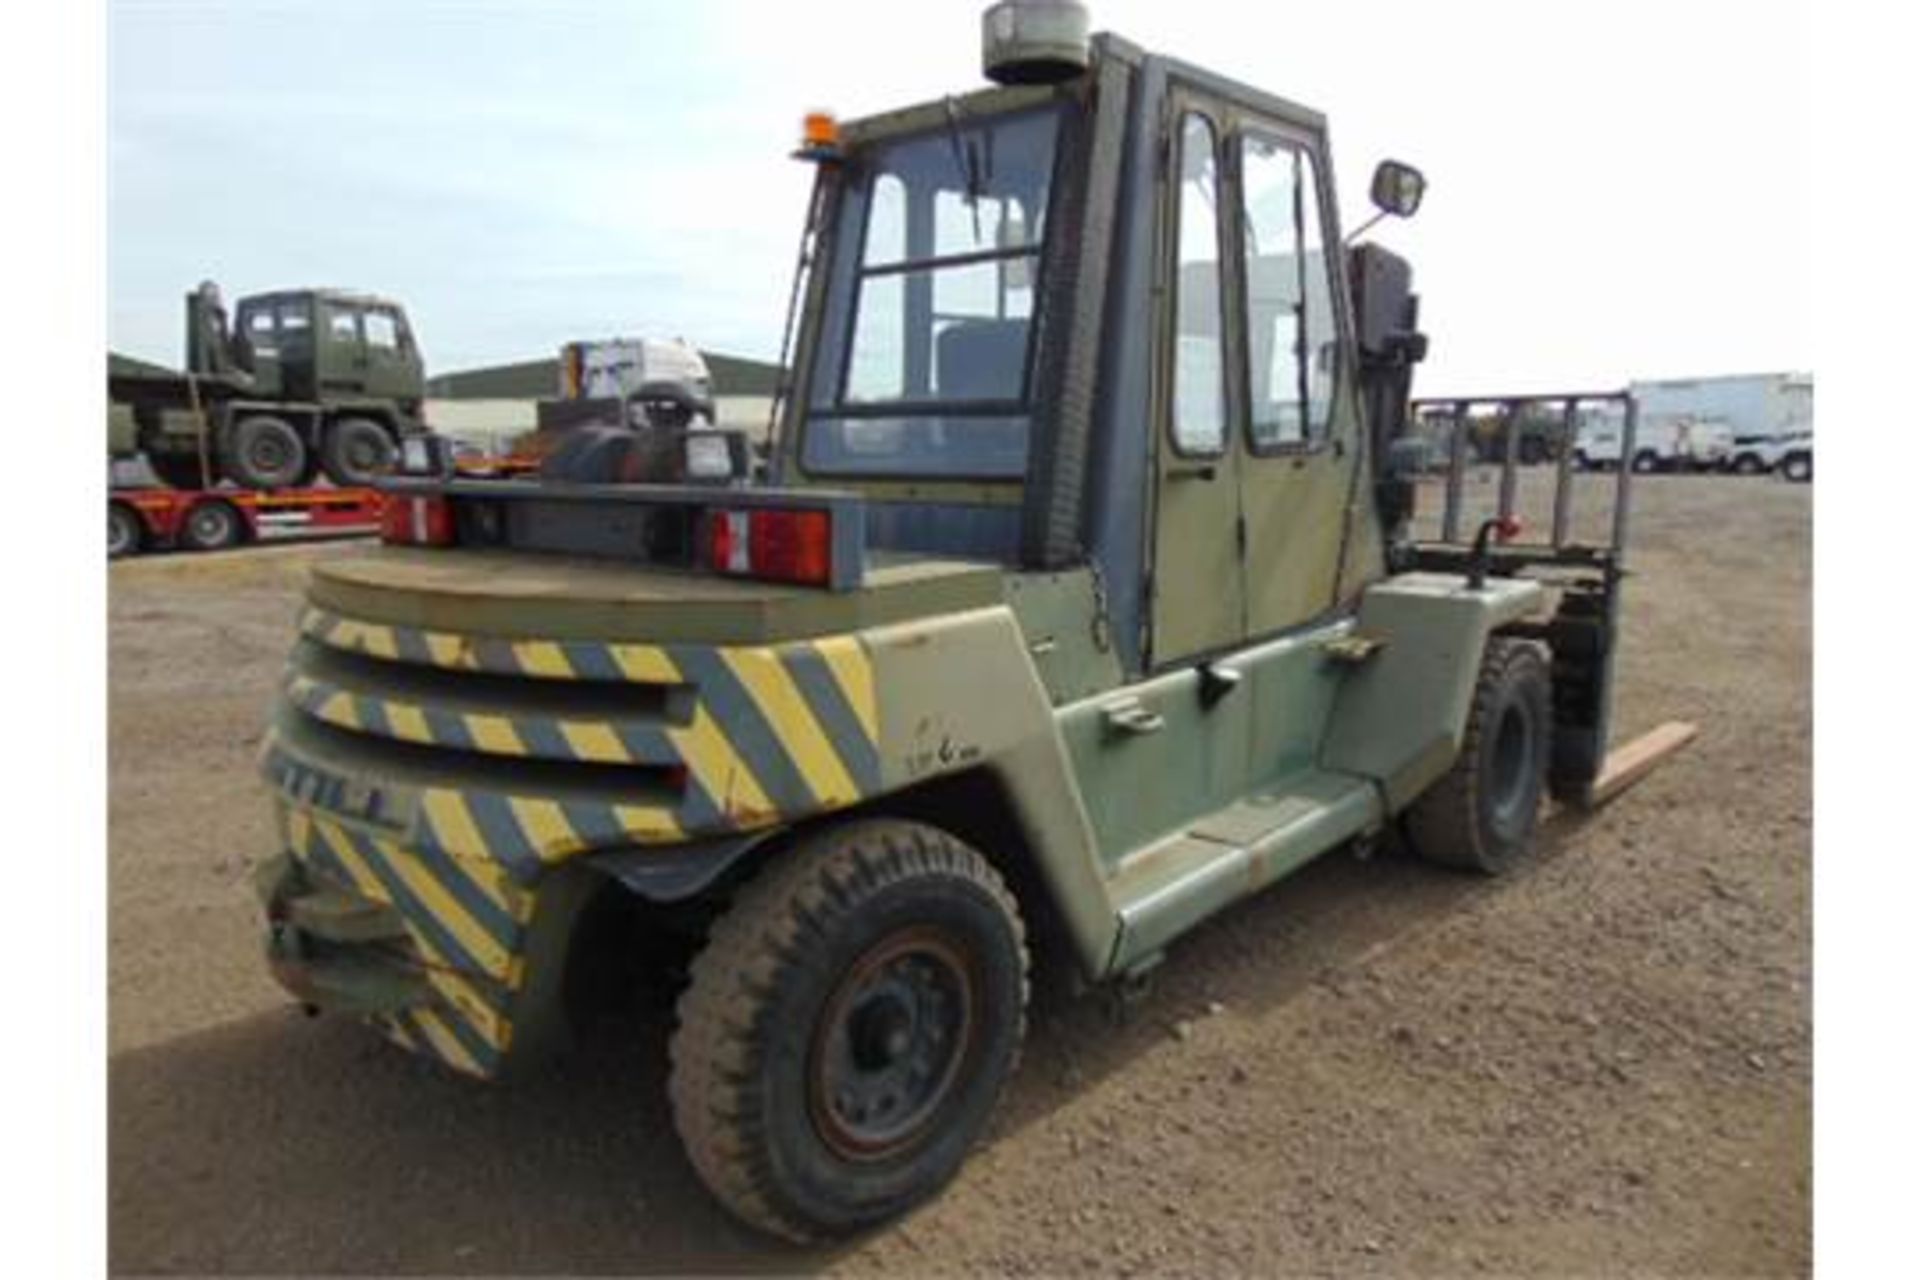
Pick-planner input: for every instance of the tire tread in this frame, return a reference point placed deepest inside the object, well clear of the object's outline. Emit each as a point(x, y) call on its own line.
point(715, 1053)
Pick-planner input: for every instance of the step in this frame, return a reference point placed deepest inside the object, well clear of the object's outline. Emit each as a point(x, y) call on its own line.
point(1164, 889)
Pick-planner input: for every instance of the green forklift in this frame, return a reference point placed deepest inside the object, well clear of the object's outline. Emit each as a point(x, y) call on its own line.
point(1082, 601)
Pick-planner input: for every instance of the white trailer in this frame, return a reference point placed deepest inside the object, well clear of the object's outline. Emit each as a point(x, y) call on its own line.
point(1758, 406)
point(1669, 442)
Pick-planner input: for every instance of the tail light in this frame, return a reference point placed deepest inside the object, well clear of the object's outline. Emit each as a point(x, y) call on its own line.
point(784, 546)
point(411, 520)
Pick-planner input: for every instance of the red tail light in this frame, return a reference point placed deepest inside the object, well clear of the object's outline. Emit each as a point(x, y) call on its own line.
point(410, 520)
point(786, 546)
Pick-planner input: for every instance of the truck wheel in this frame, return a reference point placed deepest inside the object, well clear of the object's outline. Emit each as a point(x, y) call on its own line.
point(1581, 462)
point(179, 471)
point(1646, 462)
point(1797, 467)
point(848, 1027)
point(355, 452)
point(209, 527)
point(1481, 815)
point(1748, 464)
point(265, 453)
point(123, 531)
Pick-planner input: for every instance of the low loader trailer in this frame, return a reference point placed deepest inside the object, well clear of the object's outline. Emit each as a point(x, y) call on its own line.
point(1079, 603)
point(158, 519)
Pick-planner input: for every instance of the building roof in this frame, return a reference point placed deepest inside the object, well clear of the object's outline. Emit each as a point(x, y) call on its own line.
point(533, 379)
point(129, 367)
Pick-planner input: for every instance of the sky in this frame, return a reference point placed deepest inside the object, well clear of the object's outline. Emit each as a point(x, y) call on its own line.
point(1615, 191)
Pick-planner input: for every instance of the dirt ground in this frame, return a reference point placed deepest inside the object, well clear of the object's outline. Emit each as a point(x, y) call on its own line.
point(1600, 1065)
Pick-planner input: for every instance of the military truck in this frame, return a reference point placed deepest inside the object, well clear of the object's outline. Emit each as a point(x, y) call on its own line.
point(304, 381)
point(1081, 603)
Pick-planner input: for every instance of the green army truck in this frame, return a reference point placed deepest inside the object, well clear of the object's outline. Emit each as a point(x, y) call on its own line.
point(1078, 605)
point(303, 382)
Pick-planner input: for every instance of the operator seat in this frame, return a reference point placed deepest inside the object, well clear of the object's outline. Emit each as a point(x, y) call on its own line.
point(984, 360)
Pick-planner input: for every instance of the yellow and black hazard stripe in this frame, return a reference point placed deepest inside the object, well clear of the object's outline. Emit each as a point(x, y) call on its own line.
point(775, 732)
point(464, 922)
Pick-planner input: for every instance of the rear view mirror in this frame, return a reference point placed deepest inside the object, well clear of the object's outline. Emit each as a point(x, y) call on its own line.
point(1397, 188)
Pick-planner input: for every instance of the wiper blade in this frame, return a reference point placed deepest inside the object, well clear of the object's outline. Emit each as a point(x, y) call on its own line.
point(968, 161)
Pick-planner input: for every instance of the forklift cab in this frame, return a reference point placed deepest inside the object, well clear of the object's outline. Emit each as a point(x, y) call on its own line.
point(1101, 321)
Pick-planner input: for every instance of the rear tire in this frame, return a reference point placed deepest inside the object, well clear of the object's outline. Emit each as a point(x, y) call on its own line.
point(1481, 815)
point(1748, 464)
point(210, 526)
point(1798, 467)
point(264, 452)
point(123, 531)
point(1646, 462)
point(848, 1027)
point(356, 452)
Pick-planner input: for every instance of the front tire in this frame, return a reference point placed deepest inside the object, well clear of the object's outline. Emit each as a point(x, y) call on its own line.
point(1481, 815)
point(1646, 462)
point(848, 1028)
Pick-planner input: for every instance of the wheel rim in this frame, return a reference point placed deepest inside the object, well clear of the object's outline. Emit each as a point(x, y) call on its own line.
point(364, 454)
point(1512, 754)
point(268, 454)
point(209, 526)
point(891, 1042)
point(119, 533)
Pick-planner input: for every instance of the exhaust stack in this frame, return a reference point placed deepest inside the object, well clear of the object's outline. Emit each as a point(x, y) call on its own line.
point(1034, 41)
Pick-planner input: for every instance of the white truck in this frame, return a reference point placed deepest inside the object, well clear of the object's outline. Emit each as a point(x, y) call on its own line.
point(1676, 443)
point(617, 368)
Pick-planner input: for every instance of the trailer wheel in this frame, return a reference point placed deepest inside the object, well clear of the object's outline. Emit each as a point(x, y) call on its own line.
point(1646, 462)
point(848, 1028)
point(265, 453)
point(1480, 816)
point(210, 526)
point(356, 451)
point(123, 531)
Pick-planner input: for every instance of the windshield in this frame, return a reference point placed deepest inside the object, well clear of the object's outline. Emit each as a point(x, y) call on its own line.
point(922, 364)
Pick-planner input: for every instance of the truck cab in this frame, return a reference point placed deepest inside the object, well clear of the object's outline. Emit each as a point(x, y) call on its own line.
point(328, 345)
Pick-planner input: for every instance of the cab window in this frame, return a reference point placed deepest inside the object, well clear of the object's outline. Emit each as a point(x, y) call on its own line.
point(1199, 351)
point(380, 330)
point(341, 324)
point(1292, 347)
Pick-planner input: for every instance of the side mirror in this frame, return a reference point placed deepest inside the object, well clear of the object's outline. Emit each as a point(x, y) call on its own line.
point(1398, 188)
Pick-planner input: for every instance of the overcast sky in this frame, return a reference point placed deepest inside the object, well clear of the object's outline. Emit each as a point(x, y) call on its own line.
point(1616, 190)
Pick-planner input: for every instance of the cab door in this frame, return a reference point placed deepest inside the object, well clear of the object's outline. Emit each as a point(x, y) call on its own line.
point(392, 364)
point(342, 355)
point(1198, 602)
point(1301, 430)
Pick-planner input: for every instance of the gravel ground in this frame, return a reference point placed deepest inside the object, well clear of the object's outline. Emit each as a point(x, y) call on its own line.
point(1598, 1065)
